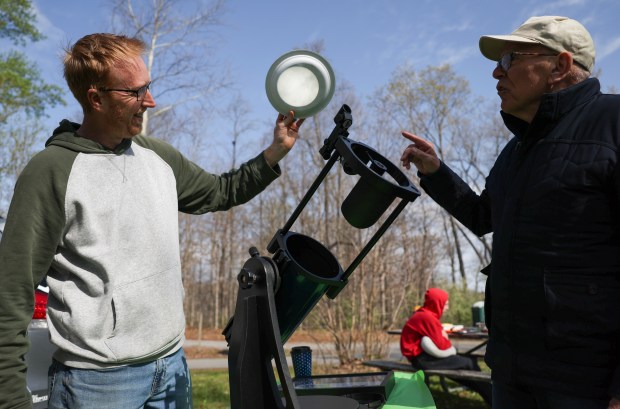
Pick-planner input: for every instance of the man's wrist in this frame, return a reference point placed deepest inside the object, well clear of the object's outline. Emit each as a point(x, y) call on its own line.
point(273, 154)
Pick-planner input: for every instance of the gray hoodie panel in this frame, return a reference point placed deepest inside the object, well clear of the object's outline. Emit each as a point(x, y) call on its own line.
point(120, 249)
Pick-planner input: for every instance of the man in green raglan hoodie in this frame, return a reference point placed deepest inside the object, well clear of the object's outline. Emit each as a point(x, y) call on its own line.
point(97, 212)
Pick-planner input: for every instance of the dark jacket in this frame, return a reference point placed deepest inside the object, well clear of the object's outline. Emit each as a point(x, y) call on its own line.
point(552, 201)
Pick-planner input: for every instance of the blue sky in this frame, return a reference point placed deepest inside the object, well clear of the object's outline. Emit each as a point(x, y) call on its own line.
point(364, 40)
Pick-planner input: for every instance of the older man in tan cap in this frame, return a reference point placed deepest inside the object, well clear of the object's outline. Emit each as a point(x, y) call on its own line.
point(543, 41)
point(552, 202)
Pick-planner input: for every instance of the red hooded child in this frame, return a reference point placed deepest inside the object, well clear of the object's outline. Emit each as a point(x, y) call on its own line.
point(426, 321)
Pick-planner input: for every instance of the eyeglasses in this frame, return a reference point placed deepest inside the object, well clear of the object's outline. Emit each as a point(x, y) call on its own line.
point(139, 93)
point(506, 61)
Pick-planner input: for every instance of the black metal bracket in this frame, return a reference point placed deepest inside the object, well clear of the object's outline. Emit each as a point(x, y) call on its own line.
point(254, 339)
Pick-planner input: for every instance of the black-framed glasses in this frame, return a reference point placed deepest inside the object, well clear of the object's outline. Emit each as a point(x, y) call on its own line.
point(506, 61)
point(139, 93)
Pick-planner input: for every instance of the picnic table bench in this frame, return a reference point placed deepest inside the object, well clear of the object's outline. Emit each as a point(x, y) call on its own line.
point(448, 373)
point(453, 374)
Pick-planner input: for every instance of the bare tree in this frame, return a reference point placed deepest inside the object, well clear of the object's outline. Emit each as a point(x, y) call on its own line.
point(237, 113)
point(18, 142)
point(180, 40)
point(437, 104)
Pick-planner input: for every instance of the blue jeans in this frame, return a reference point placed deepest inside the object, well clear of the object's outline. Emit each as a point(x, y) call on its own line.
point(507, 396)
point(164, 383)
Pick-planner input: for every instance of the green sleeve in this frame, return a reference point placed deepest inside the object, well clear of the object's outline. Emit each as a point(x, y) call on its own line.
point(200, 191)
point(32, 232)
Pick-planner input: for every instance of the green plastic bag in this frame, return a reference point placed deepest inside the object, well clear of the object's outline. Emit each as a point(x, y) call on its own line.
point(409, 391)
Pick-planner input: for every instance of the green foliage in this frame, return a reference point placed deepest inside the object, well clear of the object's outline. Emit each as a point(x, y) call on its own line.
point(24, 96)
point(21, 87)
point(17, 21)
point(461, 301)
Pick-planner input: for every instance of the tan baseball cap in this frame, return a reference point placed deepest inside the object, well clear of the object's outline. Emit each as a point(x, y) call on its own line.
point(554, 32)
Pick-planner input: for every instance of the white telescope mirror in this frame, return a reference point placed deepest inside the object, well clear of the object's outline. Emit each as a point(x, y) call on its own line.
point(301, 81)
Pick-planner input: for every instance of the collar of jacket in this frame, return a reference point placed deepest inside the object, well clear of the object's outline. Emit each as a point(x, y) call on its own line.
point(553, 106)
point(65, 135)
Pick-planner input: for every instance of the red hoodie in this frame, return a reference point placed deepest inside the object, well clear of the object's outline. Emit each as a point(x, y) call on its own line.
point(425, 322)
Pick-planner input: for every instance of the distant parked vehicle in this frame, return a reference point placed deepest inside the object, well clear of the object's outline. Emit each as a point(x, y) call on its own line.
point(39, 356)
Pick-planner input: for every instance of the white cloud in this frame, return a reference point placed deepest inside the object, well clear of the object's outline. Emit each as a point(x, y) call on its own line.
point(53, 35)
point(46, 53)
point(454, 56)
point(607, 49)
point(553, 7)
point(460, 26)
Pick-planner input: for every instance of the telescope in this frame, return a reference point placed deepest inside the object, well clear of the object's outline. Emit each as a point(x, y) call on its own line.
point(277, 292)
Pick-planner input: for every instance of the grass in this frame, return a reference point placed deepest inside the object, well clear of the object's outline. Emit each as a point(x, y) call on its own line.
point(463, 399)
point(211, 391)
